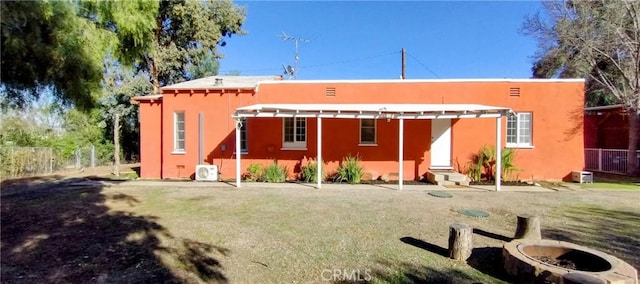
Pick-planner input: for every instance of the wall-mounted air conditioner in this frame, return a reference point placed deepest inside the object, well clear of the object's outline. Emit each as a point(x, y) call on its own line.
point(206, 173)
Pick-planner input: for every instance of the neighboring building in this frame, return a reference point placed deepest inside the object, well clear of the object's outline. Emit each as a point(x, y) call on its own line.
point(606, 127)
point(193, 123)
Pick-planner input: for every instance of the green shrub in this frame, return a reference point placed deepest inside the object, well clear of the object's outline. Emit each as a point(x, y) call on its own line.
point(132, 175)
point(275, 173)
point(349, 170)
point(309, 172)
point(255, 172)
point(483, 163)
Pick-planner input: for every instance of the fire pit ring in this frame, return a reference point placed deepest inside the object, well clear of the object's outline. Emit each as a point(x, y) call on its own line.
point(549, 261)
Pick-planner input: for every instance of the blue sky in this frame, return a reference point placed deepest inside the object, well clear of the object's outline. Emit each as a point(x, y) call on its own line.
point(363, 39)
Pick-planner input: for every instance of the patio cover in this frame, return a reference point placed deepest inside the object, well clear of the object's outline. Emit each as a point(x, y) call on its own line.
point(373, 111)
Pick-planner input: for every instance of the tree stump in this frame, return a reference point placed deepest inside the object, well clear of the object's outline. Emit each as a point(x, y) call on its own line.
point(528, 227)
point(460, 241)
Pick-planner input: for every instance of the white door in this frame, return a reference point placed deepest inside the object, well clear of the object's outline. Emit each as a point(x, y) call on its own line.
point(441, 144)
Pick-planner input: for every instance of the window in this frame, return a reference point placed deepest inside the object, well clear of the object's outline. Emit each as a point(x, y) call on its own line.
point(519, 130)
point(367, 131)
point(178, 132)
point(243, 137)
point(295, 132)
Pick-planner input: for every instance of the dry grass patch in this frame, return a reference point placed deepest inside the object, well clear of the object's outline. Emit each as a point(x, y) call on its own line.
point(272, 235)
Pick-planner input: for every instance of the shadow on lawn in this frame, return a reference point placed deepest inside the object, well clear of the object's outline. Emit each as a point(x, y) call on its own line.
point(64, 232)
point(487, 260)
point(410, 273)
point(616, 232)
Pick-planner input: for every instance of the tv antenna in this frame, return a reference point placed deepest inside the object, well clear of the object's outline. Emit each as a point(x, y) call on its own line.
point(292, 70)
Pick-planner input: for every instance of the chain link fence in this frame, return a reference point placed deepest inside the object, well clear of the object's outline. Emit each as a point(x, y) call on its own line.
point(32, 161)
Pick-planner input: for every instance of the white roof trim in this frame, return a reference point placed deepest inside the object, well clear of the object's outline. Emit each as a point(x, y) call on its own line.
point(603, 107)
point(505, 80)
point(372, 111)
point(147, 98)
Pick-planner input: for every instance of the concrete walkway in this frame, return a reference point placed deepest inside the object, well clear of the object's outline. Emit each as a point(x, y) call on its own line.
point(328, 186)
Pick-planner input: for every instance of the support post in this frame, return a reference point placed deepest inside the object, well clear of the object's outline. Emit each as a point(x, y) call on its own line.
point(498, 152)
point(460, 241)
point(599, 159)
point(319, 158)
point(400, 152)
point(404, 64)
point(238, 151)
point(528, 227)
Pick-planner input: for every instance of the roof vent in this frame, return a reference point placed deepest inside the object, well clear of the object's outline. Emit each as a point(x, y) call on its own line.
point(514, 92)
point(218, 82)
point(330, 92)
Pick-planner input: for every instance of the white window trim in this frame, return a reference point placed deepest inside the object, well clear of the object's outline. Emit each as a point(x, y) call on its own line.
point(176, 150)
point(296, 145)
point(375, 134)
point(520, 145)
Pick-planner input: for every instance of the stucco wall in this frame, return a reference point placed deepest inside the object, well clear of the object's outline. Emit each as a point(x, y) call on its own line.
point(557, 126)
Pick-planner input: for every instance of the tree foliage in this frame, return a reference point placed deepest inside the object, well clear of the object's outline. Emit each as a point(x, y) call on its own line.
point(61, 44)
point(45, 44)
point(121, 84)
point(186, 38)
point(599, 40)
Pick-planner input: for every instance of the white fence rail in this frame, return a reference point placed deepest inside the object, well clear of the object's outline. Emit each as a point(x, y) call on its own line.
point(607, 160)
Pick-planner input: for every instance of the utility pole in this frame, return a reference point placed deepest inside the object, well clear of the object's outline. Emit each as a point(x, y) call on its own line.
point(404, 65)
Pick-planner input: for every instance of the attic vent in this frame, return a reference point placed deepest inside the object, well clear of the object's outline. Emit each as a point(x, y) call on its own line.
point(515, 92)
point(218, 82)
point(330, 92)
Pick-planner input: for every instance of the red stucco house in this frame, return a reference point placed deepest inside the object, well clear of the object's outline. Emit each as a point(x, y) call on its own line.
point(401, 127)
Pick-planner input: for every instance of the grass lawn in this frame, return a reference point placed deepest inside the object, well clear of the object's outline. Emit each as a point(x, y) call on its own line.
point(132, 233)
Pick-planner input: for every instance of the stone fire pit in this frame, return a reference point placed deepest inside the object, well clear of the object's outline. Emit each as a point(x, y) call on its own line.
point(549, 261)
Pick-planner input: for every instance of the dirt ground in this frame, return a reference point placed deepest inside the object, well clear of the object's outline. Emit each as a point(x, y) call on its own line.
point(82, 230)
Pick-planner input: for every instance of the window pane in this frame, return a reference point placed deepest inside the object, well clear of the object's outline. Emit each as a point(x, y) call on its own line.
point(525, 128)
point(301, 130)
point(367, 131)
point(511, 129)
point(243, 136)
point(368, 122)
point(288, 129)
point(178, 134)
point(368, 135)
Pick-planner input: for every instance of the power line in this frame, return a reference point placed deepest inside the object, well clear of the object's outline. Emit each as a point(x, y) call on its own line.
point(423, 65)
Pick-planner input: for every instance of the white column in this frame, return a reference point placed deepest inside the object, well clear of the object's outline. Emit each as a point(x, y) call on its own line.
point(319, 157)
point(238, 152)
point(498, 152)
point(400, 152)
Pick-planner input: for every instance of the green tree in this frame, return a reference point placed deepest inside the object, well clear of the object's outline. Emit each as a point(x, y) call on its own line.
point(186, 38)
point(599, 40)
point(44, 45)
point(121, 84)
point(59, 46)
